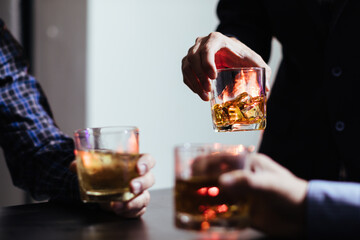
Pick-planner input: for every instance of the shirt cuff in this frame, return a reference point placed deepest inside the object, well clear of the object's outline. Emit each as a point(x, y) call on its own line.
point(333, 210)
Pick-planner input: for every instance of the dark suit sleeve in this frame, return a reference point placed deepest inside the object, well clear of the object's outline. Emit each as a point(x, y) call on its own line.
point(247, 20)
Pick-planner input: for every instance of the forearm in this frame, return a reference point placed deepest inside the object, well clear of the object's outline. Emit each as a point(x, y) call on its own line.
point(54, 180)
point(37, 152)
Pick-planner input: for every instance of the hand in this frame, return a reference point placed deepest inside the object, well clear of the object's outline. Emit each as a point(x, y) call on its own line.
point(213, 52)
point(137, 206)
point(277, 197)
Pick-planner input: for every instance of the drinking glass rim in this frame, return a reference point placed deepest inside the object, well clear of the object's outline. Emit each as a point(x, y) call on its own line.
point(240, 68)
point(189, 145)
point(116, 129)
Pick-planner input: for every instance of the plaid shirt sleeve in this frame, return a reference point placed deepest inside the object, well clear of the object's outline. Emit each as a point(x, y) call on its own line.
point(37, 153)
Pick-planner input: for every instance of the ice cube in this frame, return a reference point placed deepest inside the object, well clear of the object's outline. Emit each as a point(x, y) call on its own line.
point(242, 99)
point(260, 101)
point(219, 115)
point(252, 111)
point(234, 113)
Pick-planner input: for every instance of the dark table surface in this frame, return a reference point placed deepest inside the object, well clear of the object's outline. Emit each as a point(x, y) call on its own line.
point(54, 221)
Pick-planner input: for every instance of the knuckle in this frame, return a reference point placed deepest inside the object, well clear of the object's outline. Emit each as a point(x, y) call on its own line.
point(215, 35)
point(198, 39)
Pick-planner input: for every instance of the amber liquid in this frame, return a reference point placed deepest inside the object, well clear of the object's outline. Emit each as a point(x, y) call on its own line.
point(106, 175)
point(200, 204)
point(242, 111)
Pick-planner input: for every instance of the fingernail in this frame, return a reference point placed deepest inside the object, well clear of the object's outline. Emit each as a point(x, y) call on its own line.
point(136, 187)
point(227, 179)
point(142, 169)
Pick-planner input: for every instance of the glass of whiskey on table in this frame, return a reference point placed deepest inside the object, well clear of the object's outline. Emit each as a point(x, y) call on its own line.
point(200, 202)
point(238, 99)
point(106, 159)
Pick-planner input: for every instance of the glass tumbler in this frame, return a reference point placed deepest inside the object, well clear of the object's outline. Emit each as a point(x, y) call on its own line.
point(200, 202)
point(106, 159)
point(238, 99)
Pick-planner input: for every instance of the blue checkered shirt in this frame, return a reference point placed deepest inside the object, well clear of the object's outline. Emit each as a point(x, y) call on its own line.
point(37, 153)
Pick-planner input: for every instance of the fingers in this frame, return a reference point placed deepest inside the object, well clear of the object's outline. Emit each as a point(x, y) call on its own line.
point(202, 61)
point(137, 206)
point(198, 66)
point(255, 60)
point(193, 75)
point(238, 180)
point(192, 81)
point(260, 167)
point(237, 54)
point(145, 163)
point(264, 175)
point(214, 51)
point(207, 56)
point(146, 179)
point(132, 209)
point(261, 163)
point(142, 183)
point(237, 184)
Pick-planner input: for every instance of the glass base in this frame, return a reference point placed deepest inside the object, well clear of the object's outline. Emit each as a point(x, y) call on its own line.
point(241, 127)
point(101, 197)
point(193, 222)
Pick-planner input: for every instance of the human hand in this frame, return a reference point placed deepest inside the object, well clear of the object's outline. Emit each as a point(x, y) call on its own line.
point(136, 206)
point(213, 52)
point(277, 197)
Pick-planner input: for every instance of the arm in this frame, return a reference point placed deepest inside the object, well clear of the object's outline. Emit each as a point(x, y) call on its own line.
point(37, 152)
point(39, 156)
point(285, 205)
point(333, 210)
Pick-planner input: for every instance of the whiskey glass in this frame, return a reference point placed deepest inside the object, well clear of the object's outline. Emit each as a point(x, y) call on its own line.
point(200, 202)
point(106, 159)
point(238, 99)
